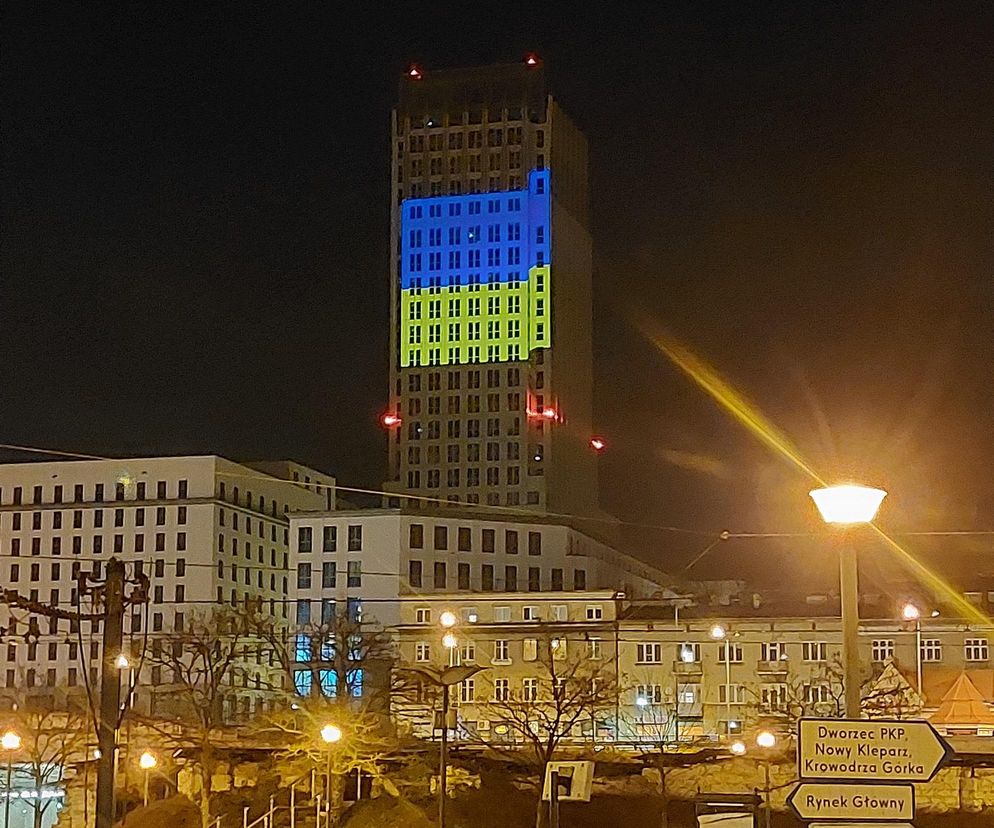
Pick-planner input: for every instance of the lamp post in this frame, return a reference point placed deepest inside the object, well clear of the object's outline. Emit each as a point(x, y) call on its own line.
point(331, 735)
point(147, 762)
point(719, 633)
point(444, 679)
point(847, 506)
point(766, 741)
point(10, 742)
point(909, 612)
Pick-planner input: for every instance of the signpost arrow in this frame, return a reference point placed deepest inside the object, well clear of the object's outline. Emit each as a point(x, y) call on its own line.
point(866, 803)
point(885, 750)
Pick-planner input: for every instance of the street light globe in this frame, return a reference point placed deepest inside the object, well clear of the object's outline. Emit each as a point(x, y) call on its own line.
point(718, 632)
point(641, 701)
point(909, 612)
point(765, 739)
point(449, 641)
point(447, 619)
point(122, 662)
point(147, 761)
point(848, 504)
point(331, 733)
point(10, 741)
point(738, 748)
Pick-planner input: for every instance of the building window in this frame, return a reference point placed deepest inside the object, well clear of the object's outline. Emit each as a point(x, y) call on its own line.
point(689, 652)
point(882, 649)
point(354, 574)
point(773, 697)
point(303, 612)
point(463, 576)
point(647, 695)
point(731, 694)
point(467, 691)
point(416, 536)
point(330, 538)
point(595, 612)
point(530, 614)
point(329, 573)
point(502, 689)
point(557, 579)
point(487, 577)
point(304, 538)
point(303, 576)
point(814, 651)
point(650, 653)
point(594, 648)
point(534, 543)
point(465, 539)
point(529, 689)
point(422, 615)
point(510, 579)
point(774, 651)
point(975, 649)
point(422, 652)
point(442, 537)
point(355, 538)
point(733, 653)
point(579, 579)
point(414, 573)
point(534, 579)
point(931, 649)
point(502, 654)
point(440, 575)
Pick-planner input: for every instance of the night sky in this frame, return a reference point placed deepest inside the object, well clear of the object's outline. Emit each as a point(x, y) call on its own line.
point(195, 219)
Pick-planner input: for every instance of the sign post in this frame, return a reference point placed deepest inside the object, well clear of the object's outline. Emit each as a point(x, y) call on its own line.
point(864, 802)
point(878, 750)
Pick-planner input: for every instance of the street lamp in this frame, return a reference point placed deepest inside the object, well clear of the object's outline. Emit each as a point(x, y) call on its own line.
point(444, 679)
point(331, 734)
point(766, 740)
point(147, 762)
point(719, 633)
point(909, 612)
point(845, 506)
point(10, 742)
point(447, 619)
point(738, 747)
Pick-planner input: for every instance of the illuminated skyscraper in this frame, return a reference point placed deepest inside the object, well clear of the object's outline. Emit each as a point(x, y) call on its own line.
point(491, 293)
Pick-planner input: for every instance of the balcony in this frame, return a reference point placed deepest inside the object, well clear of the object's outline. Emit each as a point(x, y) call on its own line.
point(688, 668)
point(780, 667)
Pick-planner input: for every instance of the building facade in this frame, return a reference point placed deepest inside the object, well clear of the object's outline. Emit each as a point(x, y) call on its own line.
point(204, 530)
point(491, 364)
point(693, 674)
point(376, 557)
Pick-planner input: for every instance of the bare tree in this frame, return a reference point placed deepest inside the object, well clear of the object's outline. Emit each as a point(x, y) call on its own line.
point(820, 693)
point(891, 695)
point(344, 656)
point(203, 670)
point(50, 741)
point(571, 689)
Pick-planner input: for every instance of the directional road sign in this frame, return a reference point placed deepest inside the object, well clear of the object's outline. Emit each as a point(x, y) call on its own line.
point(881, 750)
point(865, 803)
point(860, 825)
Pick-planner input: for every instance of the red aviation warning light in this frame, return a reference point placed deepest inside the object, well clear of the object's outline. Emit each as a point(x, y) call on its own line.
point(598, 444)
point(390, 420)
point(415, 73)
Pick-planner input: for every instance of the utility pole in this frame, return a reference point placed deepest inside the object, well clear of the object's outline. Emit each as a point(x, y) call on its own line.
point(110, 691)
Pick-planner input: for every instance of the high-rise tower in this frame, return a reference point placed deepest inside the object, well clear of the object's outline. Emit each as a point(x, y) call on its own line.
point(491, 369)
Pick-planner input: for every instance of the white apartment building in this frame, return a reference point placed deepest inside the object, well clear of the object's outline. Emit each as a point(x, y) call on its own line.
point(203, 529)
point(369, 559)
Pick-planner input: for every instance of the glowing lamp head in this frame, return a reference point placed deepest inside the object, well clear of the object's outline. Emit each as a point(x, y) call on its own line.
point(147, 761)
point(598, 444)
point(549, 413)
point(909, 612)
point(641, 701)
point(331, 733)
point(848, 505)
point(765, 739)
point(390, 420)
point(414, 73)
point(449, 641)
point(531, 59)
point(447, 619)
point(122, 662)
point(718, 632)
point(738, 748)
point(10, 741)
